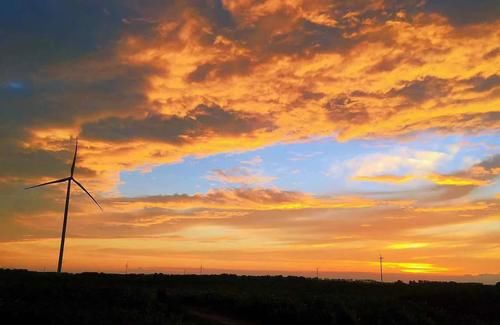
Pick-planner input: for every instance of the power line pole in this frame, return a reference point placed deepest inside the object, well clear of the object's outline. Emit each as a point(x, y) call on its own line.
point(381, 270)
point(317, 273)
point(126, 268)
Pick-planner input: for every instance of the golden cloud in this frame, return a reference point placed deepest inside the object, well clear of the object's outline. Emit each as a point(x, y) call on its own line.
point(192, 87)
point(455, 180)
point(407, 245)
point(409, 267)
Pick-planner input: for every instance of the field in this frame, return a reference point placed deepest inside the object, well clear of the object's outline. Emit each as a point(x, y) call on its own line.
point(92, 298)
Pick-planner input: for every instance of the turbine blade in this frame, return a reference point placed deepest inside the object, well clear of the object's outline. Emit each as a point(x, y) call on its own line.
point(83, 188)
point(74, 159)
point(48, 183)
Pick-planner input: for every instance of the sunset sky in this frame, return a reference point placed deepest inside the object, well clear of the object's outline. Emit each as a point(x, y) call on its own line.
point(253, 136)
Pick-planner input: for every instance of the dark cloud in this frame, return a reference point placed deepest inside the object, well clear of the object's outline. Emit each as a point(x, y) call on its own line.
point(392, 62)
point(463, 12)
point(307, 38)
point(471, 123)
point(61, 96)
point(278, 34)
point(309, 95)
point(212, 12)
point(220, 70)
point(16, 200)
point(492, 54)
point(57, 68)
point(480, 83)
point(33, 163)
point(21, 167)
point(153, 14)
point(421, 90)
point(85, 90)
point(200, 121)
point(485, 171)
point(267, 196)
point(491, 162)
point(35, 33)
point(346, 109)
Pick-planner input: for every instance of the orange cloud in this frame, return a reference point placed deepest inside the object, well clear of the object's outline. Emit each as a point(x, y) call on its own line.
point(410, 87)
point(254, 82)
point(249, 199)
point(259, 228)
point(457, 207)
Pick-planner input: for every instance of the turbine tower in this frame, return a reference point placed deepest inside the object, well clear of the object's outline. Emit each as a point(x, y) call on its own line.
point(66, 208)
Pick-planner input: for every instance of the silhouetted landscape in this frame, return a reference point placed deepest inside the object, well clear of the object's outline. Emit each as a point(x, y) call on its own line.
point(96, 298)
point(249, 162)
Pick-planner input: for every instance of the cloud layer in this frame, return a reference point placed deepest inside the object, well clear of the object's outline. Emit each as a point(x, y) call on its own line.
point(262, 72)
point(148, 84)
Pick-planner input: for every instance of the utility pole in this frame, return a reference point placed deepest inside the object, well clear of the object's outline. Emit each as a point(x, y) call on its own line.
point(126, 268)
point(317, 273)
point(381, 273)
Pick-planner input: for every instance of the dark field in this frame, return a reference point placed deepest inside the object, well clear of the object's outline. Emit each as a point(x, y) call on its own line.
point(90, 298)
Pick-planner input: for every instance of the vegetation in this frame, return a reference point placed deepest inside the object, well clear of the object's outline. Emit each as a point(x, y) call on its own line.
point(92, 298)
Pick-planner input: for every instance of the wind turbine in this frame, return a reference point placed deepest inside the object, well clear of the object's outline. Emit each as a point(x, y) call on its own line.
point(66, 208)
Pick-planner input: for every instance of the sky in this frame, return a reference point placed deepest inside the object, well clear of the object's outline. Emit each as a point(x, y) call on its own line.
point(253, 136)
